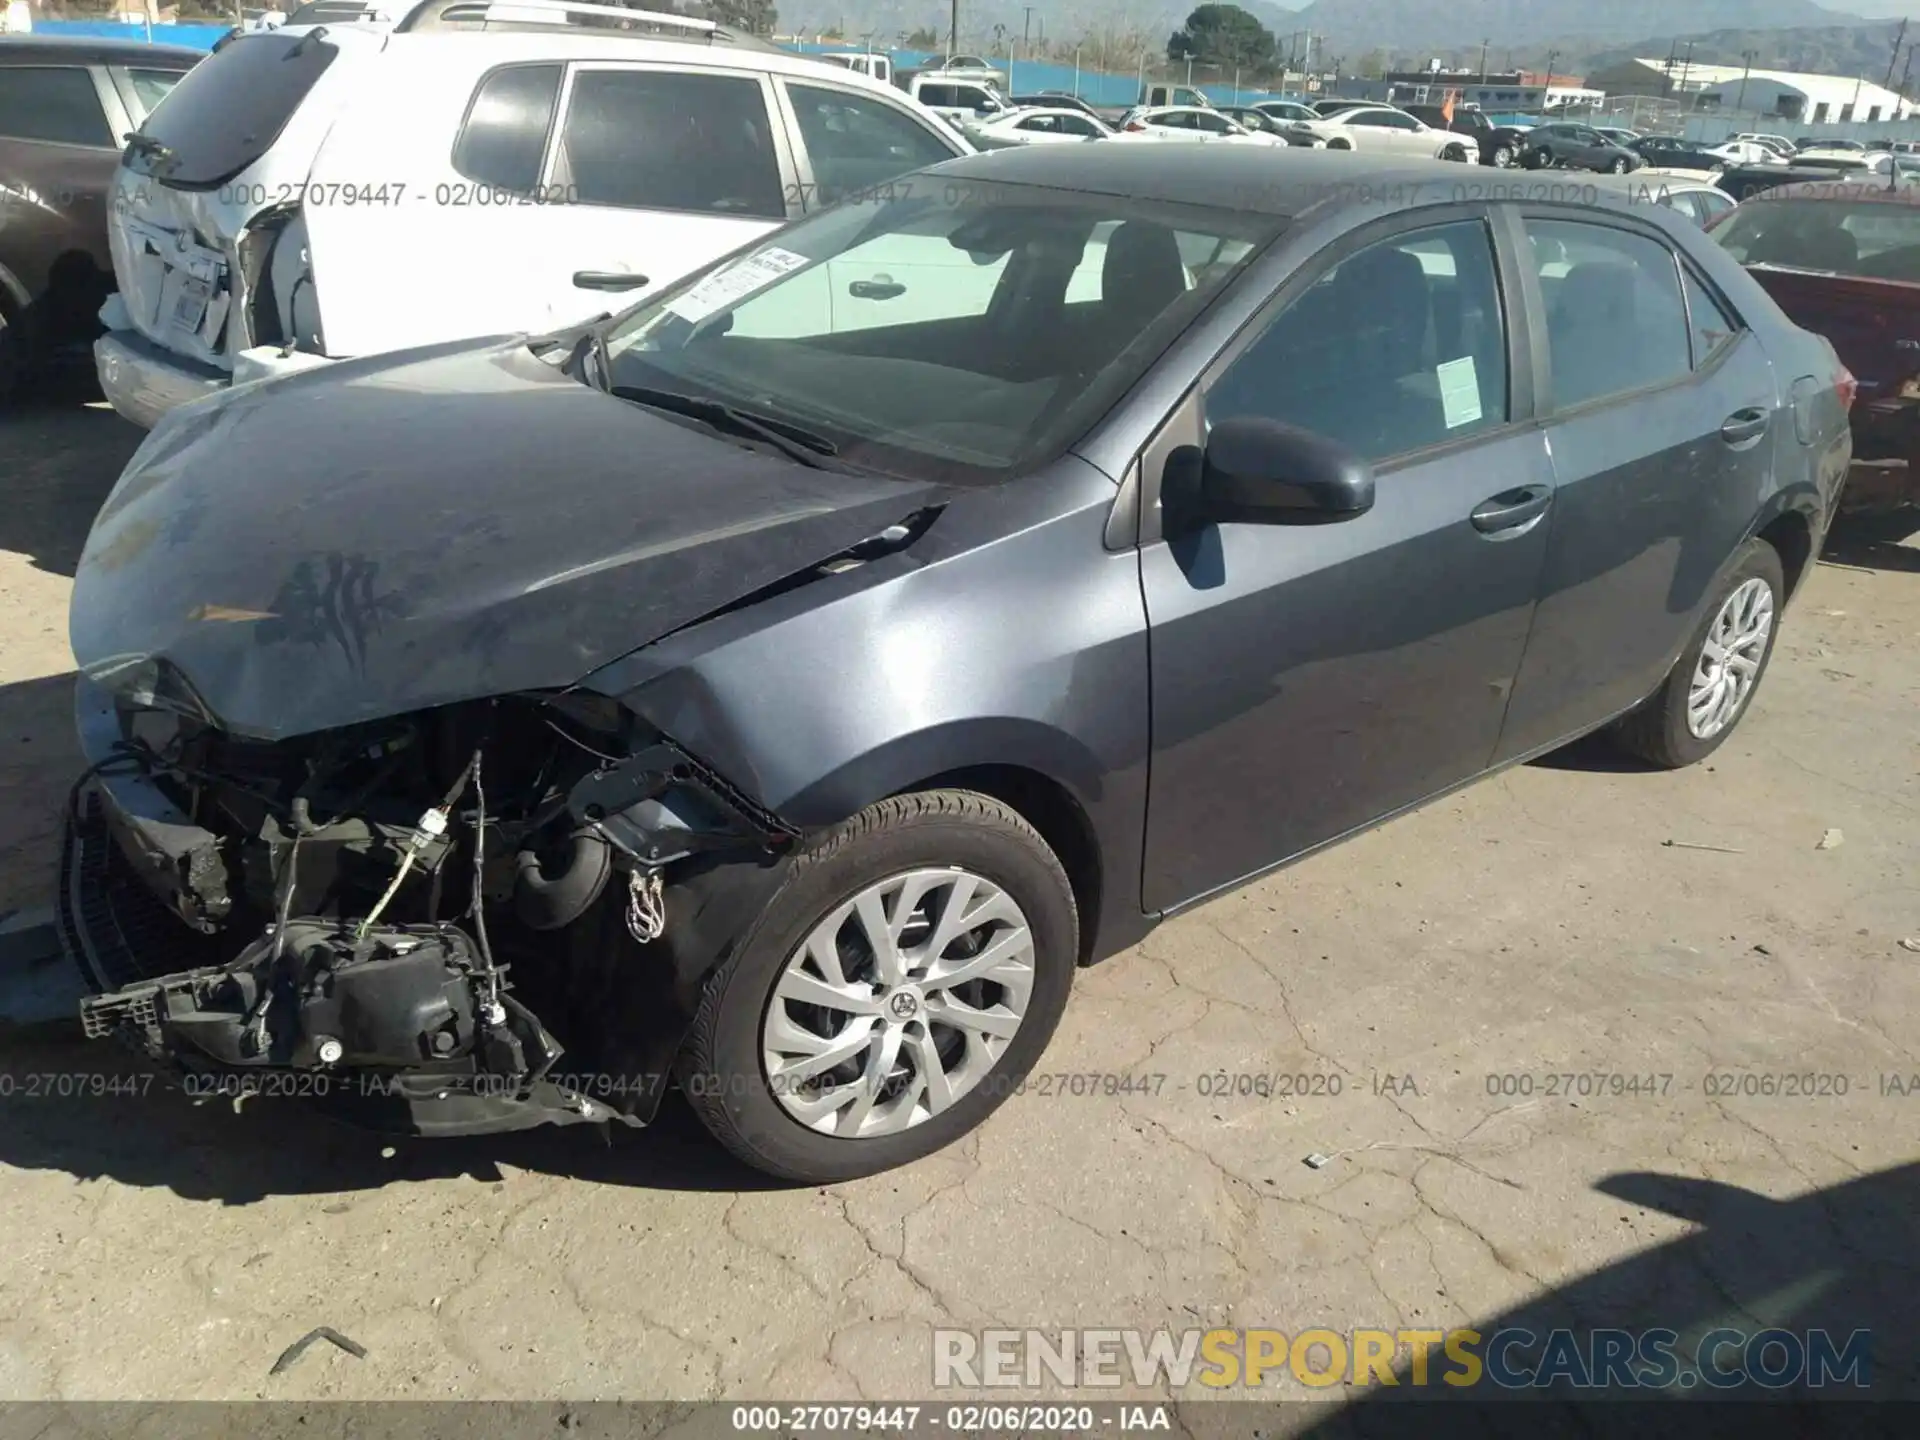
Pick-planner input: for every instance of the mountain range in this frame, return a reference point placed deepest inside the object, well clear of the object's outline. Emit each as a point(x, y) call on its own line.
point(1406, 33)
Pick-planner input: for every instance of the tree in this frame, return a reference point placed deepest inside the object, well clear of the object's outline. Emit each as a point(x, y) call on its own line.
point(756, 17)
point(923, 39)
point(1223, 35)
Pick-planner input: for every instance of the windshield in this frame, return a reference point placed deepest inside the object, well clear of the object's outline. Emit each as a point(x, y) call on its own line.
point(1878, 240)
point(229, 109)
point(955, 330)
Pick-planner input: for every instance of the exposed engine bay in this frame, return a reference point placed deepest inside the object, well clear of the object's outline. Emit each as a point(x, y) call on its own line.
point(429, 911)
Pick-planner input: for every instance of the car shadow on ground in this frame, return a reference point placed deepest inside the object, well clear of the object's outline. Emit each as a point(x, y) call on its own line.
point(61, 449)
point(95, 1111)
point(1873, 542)
point(1839, 1260)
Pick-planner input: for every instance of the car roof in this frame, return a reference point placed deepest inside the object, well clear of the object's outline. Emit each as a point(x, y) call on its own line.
point(1268, 181)
point(94, 50)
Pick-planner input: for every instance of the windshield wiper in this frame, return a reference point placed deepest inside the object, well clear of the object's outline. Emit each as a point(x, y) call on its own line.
point(793, 441)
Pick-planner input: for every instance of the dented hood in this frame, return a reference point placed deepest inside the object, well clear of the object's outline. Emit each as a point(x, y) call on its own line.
point(385, 535)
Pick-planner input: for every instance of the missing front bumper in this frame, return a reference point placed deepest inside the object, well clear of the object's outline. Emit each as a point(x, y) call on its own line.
point(170, 992)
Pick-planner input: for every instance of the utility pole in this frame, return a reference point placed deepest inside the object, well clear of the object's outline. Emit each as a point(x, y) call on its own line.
point(1906, 73)
point(1746, 68)
point(1547, 90)
point(1894, 59)
point(1686, 67)
point(953, 31)
point(1673, 51)
point(1483, 62)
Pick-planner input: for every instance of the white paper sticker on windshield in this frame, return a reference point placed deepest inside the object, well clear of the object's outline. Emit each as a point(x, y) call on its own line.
point(734, 283)
point(1459, 391)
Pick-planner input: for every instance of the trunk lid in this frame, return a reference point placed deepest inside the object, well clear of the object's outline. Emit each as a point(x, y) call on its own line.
point(231, 147)
point(1873, 325)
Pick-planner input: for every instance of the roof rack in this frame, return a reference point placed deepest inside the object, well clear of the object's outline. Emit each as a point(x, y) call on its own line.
point(570, 14)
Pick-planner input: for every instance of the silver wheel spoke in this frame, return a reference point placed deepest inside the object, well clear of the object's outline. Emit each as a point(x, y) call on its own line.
point(1730, 659)
point(858, 992)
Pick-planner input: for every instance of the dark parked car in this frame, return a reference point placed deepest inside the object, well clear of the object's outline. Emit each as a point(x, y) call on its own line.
point(1672, 152)
point(1059, 100)
point(844, 683)
point(1499, 144)
point(1575, 147)
point(1844, 261)
point(1743, 182)
point(65, 104)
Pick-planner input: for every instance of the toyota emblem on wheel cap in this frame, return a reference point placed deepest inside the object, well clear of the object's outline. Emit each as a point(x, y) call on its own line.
point(902, 1005)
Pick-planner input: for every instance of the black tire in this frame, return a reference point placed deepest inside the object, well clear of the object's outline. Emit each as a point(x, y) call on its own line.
point(1502, 157)
point(1533, 159)
point(1619, 167)
point(10, 364)
point(1657, 731)
point(721, 1067)
point(1455, 153)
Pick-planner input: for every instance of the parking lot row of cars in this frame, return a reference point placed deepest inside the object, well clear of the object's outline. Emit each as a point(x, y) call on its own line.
point(941, 567)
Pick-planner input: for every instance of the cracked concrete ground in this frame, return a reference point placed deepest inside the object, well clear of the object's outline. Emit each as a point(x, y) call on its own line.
point(1537, 924)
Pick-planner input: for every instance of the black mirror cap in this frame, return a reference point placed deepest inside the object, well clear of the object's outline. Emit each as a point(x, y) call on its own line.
point(1266, 472)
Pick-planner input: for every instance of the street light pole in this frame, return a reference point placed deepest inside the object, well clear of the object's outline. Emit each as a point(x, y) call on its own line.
point(1483, 62)
point(953, 30)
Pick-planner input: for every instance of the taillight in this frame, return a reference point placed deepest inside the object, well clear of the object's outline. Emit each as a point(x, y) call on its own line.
point(1846, 387)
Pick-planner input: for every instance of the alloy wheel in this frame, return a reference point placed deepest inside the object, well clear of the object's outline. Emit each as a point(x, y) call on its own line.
point(898, 1003)
point(1730, 659)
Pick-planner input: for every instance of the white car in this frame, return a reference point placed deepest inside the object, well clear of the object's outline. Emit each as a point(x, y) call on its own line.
point(1384, 130)
point(314, 193)
point(1779, 144)
point(1747, 152)
point(1188, 123)
point(1036, 125)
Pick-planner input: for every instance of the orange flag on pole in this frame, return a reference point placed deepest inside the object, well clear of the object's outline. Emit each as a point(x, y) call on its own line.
point(1446, 110)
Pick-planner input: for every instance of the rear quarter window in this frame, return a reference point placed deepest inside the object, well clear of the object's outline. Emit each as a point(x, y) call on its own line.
point(229, 109)
point(503, 141)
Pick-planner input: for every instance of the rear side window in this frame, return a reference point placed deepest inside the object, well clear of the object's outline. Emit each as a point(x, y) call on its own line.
point(666, 140)
point(856, 141)
point(1713, 328)
point(229, 109)
point(56, 103)
point(150, 87)
point(504, 138)
point(1615, 317)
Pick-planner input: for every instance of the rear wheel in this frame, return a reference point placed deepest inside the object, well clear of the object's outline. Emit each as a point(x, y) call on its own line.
point(1455, 153)
point(904, 979)
point(1504, 156)
point(1338, 144)
point(1705, 695)
point(1619, 167)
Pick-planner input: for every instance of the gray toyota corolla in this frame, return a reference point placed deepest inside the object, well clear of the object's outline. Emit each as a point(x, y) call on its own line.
point(779, 689)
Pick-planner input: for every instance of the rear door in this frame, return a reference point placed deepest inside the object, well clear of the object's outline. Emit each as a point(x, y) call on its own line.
point(1309, 679)
point(660, 170)
point(58, 150)
point(1662, 406)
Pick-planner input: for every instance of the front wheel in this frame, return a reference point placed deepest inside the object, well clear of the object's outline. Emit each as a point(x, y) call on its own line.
point(1709, 690)
point(1619, 167)
point(1533, 159)
point(1504, 156)
point(1456, 153)
point(903, 980)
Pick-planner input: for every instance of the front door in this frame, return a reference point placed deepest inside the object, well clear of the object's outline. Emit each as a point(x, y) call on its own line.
point(1308, 679)
point(1661, 448)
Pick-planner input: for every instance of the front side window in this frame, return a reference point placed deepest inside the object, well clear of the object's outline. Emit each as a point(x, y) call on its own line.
point(504, 138)
point(1615, 317)
point(943, 333)
point(1398, 347)
point(669, 140)
point(856, 142)
point(55, 103)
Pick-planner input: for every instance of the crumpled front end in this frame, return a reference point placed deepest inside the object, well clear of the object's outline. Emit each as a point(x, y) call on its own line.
point(447, 922)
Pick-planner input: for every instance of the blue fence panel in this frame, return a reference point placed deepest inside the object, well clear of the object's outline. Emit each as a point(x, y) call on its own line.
point(197, 37)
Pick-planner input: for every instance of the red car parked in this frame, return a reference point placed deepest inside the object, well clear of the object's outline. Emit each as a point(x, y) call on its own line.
point(1842, 258)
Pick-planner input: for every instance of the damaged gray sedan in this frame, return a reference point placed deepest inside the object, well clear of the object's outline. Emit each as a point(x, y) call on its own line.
point(778, 689)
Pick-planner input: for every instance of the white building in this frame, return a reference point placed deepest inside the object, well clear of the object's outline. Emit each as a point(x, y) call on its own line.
point(1808, 99)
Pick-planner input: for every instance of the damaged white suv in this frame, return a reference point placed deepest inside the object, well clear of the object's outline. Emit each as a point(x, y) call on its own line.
point(324, 191)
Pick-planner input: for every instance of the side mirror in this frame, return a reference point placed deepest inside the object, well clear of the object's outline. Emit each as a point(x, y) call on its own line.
point(1263, 472)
